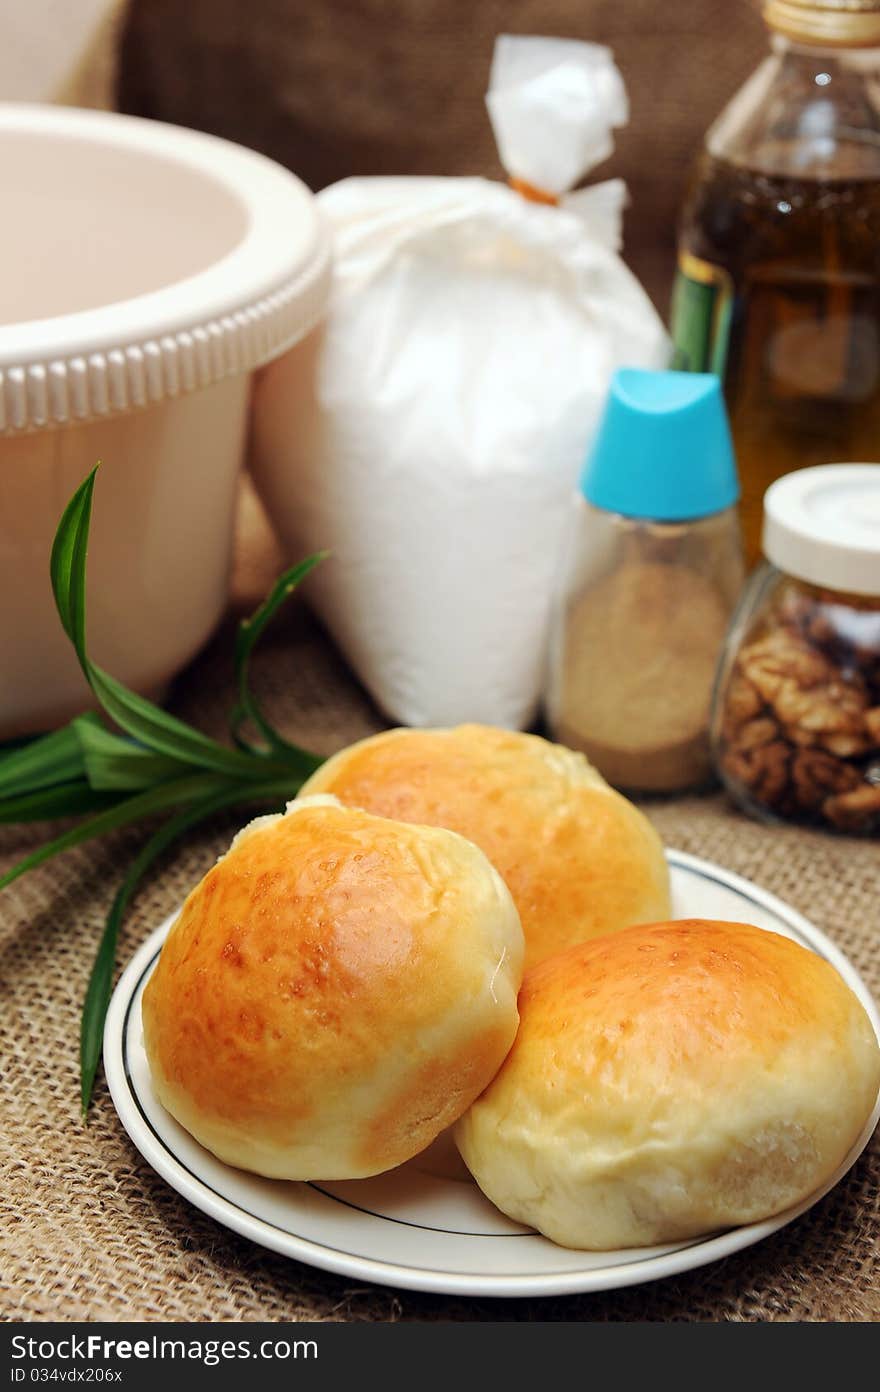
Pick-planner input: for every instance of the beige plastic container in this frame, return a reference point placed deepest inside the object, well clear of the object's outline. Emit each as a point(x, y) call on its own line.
point(147, 271)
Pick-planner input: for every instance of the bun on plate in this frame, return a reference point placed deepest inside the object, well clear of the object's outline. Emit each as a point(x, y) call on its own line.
point(578, 858)
point(670, 1080)
point(336, 991)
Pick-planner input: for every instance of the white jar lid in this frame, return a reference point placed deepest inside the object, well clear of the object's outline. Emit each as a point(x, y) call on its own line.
point(822, 525)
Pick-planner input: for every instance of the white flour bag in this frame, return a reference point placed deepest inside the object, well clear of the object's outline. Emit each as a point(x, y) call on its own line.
point(430, 433)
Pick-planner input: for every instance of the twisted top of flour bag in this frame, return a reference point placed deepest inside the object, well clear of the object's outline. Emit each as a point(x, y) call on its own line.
point(553, 104)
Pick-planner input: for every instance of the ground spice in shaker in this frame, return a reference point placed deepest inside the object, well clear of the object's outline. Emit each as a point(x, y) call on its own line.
point(647, 601)
point(644, 644)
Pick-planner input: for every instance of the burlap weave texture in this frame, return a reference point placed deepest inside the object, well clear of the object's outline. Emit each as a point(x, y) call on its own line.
point(90, 1232)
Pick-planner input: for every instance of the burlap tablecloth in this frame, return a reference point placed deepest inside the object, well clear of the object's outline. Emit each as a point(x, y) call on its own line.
point(90, 1232)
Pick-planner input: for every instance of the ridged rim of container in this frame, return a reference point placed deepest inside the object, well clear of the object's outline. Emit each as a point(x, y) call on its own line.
point(244, 309)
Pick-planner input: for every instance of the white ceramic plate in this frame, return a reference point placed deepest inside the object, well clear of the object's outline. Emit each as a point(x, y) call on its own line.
point(416, 1226)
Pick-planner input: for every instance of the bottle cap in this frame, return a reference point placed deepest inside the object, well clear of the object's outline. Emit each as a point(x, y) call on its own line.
point(831, 23)
point(663, 451)
point(822, 525)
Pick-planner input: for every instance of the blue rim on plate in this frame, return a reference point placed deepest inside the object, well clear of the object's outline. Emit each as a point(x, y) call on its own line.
point(417, 1227)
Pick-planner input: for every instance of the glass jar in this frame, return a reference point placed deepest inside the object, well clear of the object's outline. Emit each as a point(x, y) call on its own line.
point(796, 709)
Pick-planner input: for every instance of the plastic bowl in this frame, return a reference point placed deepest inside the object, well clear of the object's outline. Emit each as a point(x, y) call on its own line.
point(148, 270)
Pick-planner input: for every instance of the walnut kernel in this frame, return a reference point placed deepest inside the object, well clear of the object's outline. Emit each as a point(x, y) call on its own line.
point(856, 810)
point(764, 771)
point(817, 775)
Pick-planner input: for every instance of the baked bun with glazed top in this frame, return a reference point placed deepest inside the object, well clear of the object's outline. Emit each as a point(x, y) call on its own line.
point(578, 858)
point(335, 992)
point(671, 1080)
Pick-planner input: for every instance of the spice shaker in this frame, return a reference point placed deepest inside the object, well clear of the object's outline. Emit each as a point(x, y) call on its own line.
point(653, 571)
point(796, 714)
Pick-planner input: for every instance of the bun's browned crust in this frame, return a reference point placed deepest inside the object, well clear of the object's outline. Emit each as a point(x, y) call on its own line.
point(669, 1080)
point(578, 858)
point(335, 992)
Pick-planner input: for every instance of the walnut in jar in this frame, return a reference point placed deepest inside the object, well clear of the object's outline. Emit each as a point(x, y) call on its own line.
point(796, 712)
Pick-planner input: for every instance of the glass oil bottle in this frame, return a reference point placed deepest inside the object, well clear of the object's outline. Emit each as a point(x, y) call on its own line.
point(778, 284)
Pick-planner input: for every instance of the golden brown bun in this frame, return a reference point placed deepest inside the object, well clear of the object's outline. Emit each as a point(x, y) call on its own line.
point(670, 1080)
point(336, 991)
point(577, 857)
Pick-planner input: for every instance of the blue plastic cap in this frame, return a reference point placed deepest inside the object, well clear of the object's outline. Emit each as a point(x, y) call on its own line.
point(663, 450)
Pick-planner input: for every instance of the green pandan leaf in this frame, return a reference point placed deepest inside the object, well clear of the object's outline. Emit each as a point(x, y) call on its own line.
point(117, 762)
point(73, 799)
point(249, 632)
point(149, 724)
point(176, 793)
point(40, 762)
